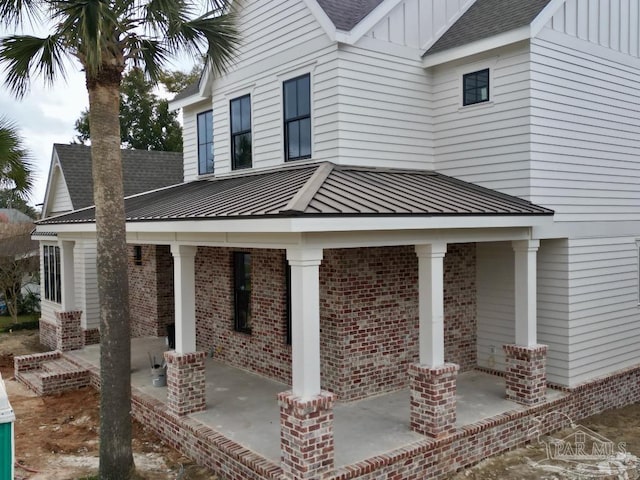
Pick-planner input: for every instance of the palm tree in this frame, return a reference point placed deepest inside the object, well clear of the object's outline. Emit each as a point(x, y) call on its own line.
point(16, 173)
point(104, 37)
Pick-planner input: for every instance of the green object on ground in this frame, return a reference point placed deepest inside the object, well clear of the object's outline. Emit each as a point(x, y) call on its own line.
point(7, 418)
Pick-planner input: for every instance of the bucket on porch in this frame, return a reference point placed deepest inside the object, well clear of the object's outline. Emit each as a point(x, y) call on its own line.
point(7, 446)
point(159, 376)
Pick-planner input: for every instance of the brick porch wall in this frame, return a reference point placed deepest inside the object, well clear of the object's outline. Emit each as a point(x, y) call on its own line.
point(264, 351)
point(151, 296)
point(368, 315)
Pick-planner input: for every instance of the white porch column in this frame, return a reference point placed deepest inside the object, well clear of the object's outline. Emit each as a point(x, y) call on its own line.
point(431, 302)
point(185, 297)
point(67, 275)
point(305, 320)
point(525, 291)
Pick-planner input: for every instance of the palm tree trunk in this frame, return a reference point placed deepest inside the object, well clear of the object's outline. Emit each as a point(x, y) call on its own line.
point(116, 457)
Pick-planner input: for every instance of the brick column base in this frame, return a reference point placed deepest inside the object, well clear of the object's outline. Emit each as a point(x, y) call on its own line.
point(306, 435)
point(526, 375)
point(433, 399)
point(186, 382)
point(91, 336)
point(69, 334)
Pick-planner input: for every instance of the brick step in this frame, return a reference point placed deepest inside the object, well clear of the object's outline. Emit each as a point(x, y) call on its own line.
point(54, 376)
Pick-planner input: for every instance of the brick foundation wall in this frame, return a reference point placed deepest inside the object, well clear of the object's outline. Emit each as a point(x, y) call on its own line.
point(151, 295)
point(69, 334)
point(428, 458)
point(264, 351)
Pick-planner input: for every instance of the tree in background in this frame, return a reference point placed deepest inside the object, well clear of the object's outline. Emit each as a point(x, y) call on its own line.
point(176, 81)
point(18, 263)
point(105, 37)
point(10, 199)
point(145, 120)
point(16, 172)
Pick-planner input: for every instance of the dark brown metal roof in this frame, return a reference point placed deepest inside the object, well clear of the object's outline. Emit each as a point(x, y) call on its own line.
point(322, 189)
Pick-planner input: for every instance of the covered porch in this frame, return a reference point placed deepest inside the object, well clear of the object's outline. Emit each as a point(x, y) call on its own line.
point(243, 406)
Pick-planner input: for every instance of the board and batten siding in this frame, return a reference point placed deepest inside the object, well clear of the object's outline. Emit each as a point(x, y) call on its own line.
point(418, 23)
point(603, 311)
point(585, 129)
point(281, 40)
point(485, 143)
point(384, 117)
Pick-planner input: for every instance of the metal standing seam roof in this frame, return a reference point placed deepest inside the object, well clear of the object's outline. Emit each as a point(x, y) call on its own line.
point(487, 18)
point(143, 170)
point(322, 189)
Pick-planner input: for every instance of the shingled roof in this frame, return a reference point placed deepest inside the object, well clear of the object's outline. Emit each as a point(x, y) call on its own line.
point(322, 189)
point(189, 90)
point(346, 14)
point(143, 170)
point(487, 18)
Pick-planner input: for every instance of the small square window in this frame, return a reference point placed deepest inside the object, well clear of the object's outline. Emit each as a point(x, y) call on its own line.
point(475, 87)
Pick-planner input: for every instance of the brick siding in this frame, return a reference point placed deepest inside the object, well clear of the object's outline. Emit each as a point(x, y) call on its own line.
point(368, 315)
point(151, 295)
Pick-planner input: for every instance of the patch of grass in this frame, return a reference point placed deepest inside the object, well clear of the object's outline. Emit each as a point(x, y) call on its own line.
point(25, 322)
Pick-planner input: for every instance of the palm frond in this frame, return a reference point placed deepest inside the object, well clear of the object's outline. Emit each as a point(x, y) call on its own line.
point(15, 12)
point(150, 55)
point(23, 55)
point(16, 171)
point(91, 26)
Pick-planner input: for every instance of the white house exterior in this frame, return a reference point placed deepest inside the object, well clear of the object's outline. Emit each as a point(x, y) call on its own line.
point(456, 192)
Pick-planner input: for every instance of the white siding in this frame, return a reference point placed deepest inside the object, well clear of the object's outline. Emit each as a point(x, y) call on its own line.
point(495, 303)
point(59, 199)
point(384, 110)
point(585, 130)
point(281, 39)
point(86, 280)
point(419, 23)
point(604, 311)
point(486, 143)
point(553, 307)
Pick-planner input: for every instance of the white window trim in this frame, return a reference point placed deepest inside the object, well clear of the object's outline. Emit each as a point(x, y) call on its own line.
point(472, 68)
point(229, 96)
point(283, 78)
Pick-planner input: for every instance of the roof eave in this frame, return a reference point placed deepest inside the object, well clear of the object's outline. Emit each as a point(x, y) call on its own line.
point(486, 44)
point(186, 101)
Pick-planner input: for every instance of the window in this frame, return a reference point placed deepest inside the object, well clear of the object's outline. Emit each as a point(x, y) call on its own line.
point(475, 87)
point(241, 132)
point(137, 254)
point(52, 281)
point(205, 142)
point(297, 118)
point(242, 291)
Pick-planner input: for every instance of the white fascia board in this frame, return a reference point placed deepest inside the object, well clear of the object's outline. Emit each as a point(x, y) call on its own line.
point(370, 21)
point(316, 224)
point(322, 18)
point(186, 101)
point(486, 44)
point(47, 191)
point(545, 16)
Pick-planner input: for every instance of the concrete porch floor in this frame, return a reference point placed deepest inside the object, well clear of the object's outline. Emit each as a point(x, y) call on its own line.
point(243, 406)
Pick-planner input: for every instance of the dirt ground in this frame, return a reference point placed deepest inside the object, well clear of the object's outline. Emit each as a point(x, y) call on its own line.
point(57, 437)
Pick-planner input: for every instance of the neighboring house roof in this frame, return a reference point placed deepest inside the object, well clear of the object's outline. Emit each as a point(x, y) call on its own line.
point(143, 170)
point(11, 215)
point(346, 14)
point(320, 189)
point(189, 90)
point(487, 18)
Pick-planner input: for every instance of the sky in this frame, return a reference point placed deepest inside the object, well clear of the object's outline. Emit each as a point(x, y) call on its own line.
point(45, 116)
